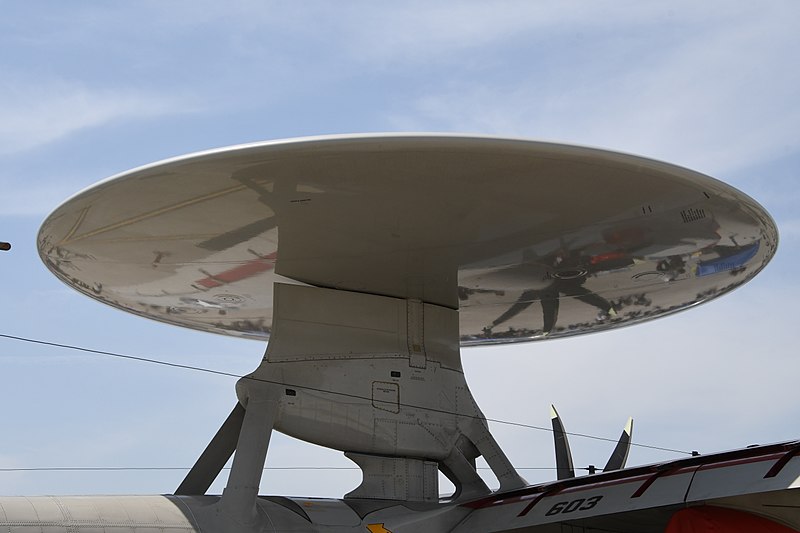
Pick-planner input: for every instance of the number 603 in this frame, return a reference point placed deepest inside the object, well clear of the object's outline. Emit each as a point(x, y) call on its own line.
point(581, 504)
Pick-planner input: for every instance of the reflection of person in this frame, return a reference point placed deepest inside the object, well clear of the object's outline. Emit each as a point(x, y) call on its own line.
point(550, 299)
point(673, 266)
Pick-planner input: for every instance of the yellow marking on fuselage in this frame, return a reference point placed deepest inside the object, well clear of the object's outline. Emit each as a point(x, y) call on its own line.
point(77, 224)
point(377, 528)
point(150, 238)
point(154, 213)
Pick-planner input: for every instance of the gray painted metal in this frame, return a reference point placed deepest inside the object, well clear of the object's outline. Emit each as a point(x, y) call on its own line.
point(529, 240)
point(395, 478)
point(358, 384)
point(722, 481)
point(642, 499)
point(239, 498)
point(213, 459)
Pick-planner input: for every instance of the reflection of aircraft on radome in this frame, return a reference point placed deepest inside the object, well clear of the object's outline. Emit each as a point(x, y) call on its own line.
point(368, 261)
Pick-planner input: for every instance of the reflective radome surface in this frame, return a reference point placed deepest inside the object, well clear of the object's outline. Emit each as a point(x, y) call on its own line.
point(529, 240)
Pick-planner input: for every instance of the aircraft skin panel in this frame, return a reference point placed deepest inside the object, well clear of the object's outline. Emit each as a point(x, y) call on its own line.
point(715, 481)
point(529, 240)
point(190, 514)
point(639, 499)
point(397, 390)
point(79, 514)
point(720, 477)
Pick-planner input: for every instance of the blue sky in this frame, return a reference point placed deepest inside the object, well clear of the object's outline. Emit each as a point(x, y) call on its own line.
point(88, 90)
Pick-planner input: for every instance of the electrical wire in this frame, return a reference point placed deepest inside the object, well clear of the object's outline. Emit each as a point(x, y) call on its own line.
point(186, 469)
point(154, 468)
point(315, 389)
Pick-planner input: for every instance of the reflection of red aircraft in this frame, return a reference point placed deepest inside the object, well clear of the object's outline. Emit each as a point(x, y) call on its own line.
point(238, 273)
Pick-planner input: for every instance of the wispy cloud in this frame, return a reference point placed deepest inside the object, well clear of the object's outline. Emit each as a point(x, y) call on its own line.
point(23, 199)
point(789, 228)
point(421, 32)
point(36, 113)
point(688, 100)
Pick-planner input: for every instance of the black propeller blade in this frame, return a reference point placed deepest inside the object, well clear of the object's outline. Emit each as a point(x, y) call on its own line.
point(564, 465)
point(563, 455)
point(620, 454)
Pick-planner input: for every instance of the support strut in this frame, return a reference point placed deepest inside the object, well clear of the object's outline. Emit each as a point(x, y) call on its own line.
point(376, 377)
point(213, 459)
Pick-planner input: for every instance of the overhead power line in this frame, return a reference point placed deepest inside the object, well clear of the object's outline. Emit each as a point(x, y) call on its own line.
point(187, 468)
point(153, 468)
point(316, 389)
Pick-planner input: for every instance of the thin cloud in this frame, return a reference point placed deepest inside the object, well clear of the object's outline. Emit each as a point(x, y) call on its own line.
point(690, 101)
point(421, 32)
point(22, 199)
point(789, 228)
point(34, 114)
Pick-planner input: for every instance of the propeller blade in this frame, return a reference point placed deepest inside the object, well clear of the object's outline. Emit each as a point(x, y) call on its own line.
point(564, 466)
point(620, 454)
point(213, 459)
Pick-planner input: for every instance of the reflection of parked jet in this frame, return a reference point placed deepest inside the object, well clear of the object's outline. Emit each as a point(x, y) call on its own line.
point(571, 286)
point(731, 259)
